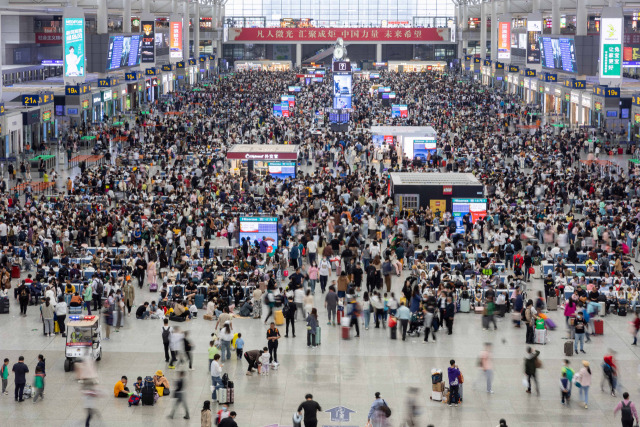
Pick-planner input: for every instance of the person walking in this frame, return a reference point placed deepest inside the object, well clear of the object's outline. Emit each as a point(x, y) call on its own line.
point(4, 374)
point(583, 381)
point(331, 304)
point(206, 417)
point(449, 312)
point(377, 416)
point(20, 371)
point(166, 339)
point(290, 313)
point(23, 298)
point(531, 365)
point(636, 325)
point(311, 409)
point(176, 345)
point(404, 315)
point(627, 410)
point(61, 314)
point(580, 326)
point(180, 396)
point(312, 326)
point(486, 364)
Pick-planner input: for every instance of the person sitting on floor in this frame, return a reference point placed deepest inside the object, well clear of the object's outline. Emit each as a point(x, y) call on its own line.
point(159, 380)
point(137, 386)
point(120, 389)
point(76, 301)
point(180, 310)
point(141, 311)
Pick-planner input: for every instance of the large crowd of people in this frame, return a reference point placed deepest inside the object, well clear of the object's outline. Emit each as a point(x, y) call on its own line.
point(161, 213)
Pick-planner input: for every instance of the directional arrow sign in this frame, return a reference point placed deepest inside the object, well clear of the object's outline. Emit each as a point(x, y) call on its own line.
point(340, 413)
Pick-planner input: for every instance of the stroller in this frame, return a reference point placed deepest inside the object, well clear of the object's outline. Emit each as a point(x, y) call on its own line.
point(416, 324)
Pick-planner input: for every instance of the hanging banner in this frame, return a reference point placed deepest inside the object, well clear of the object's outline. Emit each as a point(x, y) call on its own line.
point(504, 40)
point(534, 29)
point(175, 40)
point(148, 41)
point(611, 47)
point(73, 47)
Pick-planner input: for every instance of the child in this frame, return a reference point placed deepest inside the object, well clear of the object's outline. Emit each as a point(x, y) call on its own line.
point(264, 361)
point(239, 346)
point(4, 374)
point(564, 388)
point(213, 350)
point(566, 369)
point(137, 386)
point(38, 384)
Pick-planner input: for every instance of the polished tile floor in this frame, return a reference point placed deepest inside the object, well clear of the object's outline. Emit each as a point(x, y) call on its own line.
point(338, 372)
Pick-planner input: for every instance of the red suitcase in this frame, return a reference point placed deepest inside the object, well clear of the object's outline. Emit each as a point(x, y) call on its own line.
point(15, 271)
point(598, 327)
point(620, 150)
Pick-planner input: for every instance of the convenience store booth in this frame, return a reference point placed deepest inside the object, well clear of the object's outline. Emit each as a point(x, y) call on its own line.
point(409, 141)
point(262, 65)
point(459, 193)
point(279, 161)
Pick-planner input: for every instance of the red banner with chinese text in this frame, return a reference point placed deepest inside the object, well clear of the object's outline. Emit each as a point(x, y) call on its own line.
point(49, 38)
point(347, 34)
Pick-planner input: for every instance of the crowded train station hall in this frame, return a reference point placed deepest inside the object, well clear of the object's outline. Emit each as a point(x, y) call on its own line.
point(337, 213)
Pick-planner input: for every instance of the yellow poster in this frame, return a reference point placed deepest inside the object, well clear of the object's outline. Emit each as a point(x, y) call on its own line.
point(438, 207)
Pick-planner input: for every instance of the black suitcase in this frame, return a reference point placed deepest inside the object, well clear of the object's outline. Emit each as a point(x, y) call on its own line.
point(4, 305)
point(177, 318)
point(622, 311)
point(148, 394)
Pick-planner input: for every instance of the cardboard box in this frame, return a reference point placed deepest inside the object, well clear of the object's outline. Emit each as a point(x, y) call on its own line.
point(439, 387)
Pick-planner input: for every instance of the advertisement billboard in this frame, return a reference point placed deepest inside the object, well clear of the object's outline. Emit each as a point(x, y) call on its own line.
point(475, 208)
point(74, 47)
point(559, 54)
point(610, 47)
point(342, 91)
point(257, 229)
point(399, 110)
point(124, 51)
point(534, 29)
point(175, 40)
point(147, 50)
point(631, 56)
point(282, 170)
point(504, 40)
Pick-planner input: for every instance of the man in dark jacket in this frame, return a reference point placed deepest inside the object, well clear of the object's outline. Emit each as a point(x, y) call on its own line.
point(230, 421)
point(449, 312)
point(20, 371)
point(290, 315)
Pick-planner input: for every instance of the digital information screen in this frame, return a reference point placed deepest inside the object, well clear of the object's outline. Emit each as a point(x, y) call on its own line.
point(339, 116)
point(256, 228)
point(282, 170)
point(124, 51)
point(477, 208)
point(559, 54)
point(423, 148)
point(399, 110)
point(342, 91)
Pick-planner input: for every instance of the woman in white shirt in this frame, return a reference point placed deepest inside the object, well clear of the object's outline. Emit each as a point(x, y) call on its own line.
point(216, 375)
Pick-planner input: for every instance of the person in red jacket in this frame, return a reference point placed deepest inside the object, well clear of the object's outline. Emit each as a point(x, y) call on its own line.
point(636, 328)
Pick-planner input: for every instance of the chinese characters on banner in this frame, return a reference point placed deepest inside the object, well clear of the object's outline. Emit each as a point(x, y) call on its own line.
point(73, 47)
point(611, 47)
point(175, 40)
point(49, 38)
point(331, 34)
point(504, 40)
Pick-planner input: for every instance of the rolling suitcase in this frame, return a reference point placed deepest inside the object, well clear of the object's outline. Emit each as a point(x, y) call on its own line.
point(318, 335)
point(540, 336)
point(550, 323)
point(4, 305)
point(598, 327)
point(199, 301)
point(602, 311)
point(222, 395)
point(622, 311)
point(568, 348)
point(231, 395)
point(552, 303)
point(153, 287)
point(148, 394)
point(465, 305)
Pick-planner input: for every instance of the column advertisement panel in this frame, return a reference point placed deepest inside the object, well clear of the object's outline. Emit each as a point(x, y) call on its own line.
point(74, 47)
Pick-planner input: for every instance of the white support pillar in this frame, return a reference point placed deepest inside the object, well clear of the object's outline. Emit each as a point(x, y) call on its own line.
point(555, 18)
point(174, 6)
point(506, 6)
point(535, 6)
point(298, 55)
point(483, 31)
point(126, 16)
point(102, 18)
point(185, 31)
point(196, 31)
point(378, 52)
point(146, 8)
point(73, 3)
point(581, 18)
point(494, 30)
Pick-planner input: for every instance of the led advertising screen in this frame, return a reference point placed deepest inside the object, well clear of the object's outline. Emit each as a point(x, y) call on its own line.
point(559, 54)
point(382, 89)
point(611, 37)
point(124, 51)
point(424, 149)
point(339, 116)
point(175, 40)
point(504, 40)
point(295, 88)
point(147, 50)
point(390, 95)
point(399, 110)
point(373, 76)
point(342, 91)
point(74, 47)
point(282, 170)
point(534, 29)
point(476, 208)
point(257, 229)
point(277, 110)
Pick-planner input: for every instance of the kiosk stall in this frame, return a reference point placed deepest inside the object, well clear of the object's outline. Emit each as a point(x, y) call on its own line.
point(262, 65)
point(279, 161)
point(410, 142)
point(460, 193)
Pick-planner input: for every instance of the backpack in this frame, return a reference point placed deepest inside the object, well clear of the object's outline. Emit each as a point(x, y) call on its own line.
point(606, 368)
point(627, 415)
point(134, 399)
point(148, 383)
point(523, 315)
point(166, 333)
